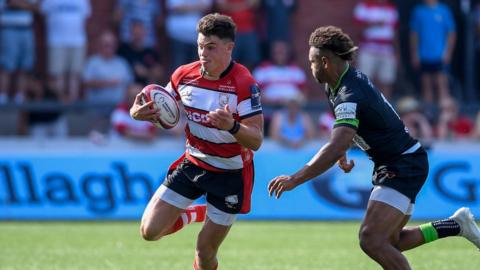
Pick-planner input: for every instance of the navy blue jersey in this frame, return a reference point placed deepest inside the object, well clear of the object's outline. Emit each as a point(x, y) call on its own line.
point(357, 104)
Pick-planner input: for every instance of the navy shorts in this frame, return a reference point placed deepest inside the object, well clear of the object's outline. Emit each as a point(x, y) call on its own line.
point(224, 190)
point(406, 174)
point(433, 67)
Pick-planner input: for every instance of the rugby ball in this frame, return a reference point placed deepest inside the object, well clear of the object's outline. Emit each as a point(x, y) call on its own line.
point(168, 110)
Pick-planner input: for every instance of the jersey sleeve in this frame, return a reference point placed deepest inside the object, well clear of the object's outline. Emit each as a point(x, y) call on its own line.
point(249, 103)
point(172, 86)
point(346, 111)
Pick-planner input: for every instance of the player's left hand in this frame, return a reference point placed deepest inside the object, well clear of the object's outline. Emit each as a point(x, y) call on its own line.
point(221, 119)
point(280, 184)
point(344, 165)
point(143, 112)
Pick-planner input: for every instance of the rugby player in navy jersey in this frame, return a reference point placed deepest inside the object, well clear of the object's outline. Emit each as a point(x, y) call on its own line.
point(364, 117)
point(225, 123)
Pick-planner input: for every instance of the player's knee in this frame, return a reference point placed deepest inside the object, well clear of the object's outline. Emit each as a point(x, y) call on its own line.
point(149, 233)
point(370, 241)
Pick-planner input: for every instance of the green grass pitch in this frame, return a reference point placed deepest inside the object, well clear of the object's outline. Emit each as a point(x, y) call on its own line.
point(250, 246)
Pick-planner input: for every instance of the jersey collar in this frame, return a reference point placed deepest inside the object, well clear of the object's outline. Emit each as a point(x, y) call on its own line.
point(337, 85)
point(224, 73)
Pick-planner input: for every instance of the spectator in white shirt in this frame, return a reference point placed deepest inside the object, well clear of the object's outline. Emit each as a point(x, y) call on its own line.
point(280, 79)
point(106, 75)
point(66, 41)
point(378, 50)
point(181, 22)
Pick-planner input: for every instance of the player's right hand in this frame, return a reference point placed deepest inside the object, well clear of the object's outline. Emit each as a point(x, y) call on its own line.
point(280, 184)
point(144, 112)
point(344, 165)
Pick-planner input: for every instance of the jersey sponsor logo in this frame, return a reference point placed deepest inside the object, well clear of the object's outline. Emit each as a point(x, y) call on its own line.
point(360, 142)
point(381, 174)
point(255, 97)
point(227, 88)
point(231, 201)
point(347, 110)
point(223, 99)
point(186, 94)
point(197, 117)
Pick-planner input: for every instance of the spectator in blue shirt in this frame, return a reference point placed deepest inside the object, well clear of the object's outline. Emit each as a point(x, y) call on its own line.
point(432, 40)
point(17, 46)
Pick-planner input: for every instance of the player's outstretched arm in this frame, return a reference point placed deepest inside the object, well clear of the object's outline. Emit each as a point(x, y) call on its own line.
point(249, 133)
point(328, 155)
point(143, 112)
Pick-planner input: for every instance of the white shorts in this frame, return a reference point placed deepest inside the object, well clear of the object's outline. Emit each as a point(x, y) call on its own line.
point(393, 198)
point(381, 67)
point(216, 215)
point(63, 60)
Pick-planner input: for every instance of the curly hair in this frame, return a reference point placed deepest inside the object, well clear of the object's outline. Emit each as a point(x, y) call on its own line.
point(333, 39)
point(219, 25)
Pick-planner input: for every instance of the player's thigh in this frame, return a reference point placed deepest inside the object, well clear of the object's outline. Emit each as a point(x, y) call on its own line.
point(160, 214)
point(211, 237)
point(381, 221)
point(173, 196)
point(386, 212)
point(395, 237)
point(225, 196)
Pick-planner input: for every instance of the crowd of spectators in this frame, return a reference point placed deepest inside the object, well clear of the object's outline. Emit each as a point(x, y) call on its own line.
point(118, 60)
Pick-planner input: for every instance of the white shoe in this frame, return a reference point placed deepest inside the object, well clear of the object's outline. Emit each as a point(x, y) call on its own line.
point(468, 227)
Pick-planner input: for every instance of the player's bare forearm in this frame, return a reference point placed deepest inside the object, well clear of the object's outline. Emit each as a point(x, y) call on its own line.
point(322, 161)
point(328, 155)
point(250, 134)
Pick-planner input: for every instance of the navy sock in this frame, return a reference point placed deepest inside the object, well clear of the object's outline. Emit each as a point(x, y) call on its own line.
point(446, 227)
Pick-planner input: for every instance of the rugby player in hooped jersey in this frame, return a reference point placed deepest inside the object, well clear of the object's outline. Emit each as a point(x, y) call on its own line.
point(364, 116)
point(225, 123)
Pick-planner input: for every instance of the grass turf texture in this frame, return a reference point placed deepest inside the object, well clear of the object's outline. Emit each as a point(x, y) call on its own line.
point(250, 245)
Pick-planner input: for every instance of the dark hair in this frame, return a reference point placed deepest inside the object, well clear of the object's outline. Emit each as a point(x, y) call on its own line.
point(218, 25)
point(333, 39)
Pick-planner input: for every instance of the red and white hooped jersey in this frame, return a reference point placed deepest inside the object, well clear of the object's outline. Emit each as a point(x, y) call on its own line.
point(207, 146)
point(382, 21)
